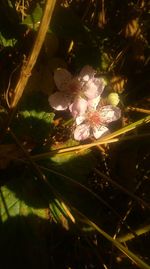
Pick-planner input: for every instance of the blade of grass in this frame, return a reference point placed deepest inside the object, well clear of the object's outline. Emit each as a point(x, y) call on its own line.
point(38, 171)
point(133, 257)
point(129, 236)
point(110, 138)
point(127, 252)
point(92, 193)
point(123, 189)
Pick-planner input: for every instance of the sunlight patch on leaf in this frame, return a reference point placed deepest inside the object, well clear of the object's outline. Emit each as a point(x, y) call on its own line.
point(11, 206)
point(33, 20)
point(68, 156)
point(42, 115)
point(7, 42)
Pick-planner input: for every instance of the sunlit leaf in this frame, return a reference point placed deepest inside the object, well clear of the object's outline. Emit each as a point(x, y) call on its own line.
point(7, 42)
point(42, 115)
point(11, 206)
point(33, 20)
point(23, 215)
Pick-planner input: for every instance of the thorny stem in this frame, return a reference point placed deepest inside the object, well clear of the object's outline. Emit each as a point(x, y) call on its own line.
point(29, 64)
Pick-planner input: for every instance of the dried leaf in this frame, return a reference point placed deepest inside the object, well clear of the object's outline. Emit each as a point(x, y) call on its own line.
point(132, 28)
point(118, 83)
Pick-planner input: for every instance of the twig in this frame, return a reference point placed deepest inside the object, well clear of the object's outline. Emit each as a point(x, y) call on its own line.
point(137, 109)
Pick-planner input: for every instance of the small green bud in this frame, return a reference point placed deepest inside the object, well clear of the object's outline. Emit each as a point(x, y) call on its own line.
point(113, 99)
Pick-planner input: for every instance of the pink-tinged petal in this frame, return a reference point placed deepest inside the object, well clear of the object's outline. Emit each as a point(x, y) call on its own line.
point(90, 89)
point(109, 114)
point(78, 107)
point(100, 83)
point(80, 119)
point(99, 131)
point(93, 103)
point(82, 132)
point(74, 86)
point(59, 101)
point(62, 77)
point(87, 72)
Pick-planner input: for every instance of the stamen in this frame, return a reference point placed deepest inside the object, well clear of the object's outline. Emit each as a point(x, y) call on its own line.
point(94, 118)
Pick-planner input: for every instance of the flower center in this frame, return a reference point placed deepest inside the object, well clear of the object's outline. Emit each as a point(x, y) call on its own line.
point(93, 118)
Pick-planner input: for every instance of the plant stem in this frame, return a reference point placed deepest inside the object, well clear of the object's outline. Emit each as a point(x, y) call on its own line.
point(28, 66)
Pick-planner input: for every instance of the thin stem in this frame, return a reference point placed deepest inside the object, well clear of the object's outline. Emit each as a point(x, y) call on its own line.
point(137, 109)
point(110, 138)
point(130, 236)
point(123, 189)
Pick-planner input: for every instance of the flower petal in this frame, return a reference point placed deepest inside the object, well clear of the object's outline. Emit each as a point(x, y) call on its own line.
point(109, 114)
point(80, 119)
point(100, 83)
point(87, 72)
point(93, 103)
point(78, 107)
point(62, 77)
point(59, 101)
point(99, 131)
point(90, 89)
point(74, 86)
point(82, 132)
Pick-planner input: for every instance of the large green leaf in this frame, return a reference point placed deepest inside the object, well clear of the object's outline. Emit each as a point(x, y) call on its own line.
point(11, 206)
point(23, 214)
point(34, 124)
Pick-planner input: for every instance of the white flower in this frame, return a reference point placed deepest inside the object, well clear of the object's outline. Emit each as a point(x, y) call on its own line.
point(94, 122)
point(76, 93)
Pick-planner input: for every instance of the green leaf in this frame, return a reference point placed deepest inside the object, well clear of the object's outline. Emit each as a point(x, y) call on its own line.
point(23, 214)
point(11, 205)
point(42, 115)
point(33, 20)
point(7, 42)
point(34, 124)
